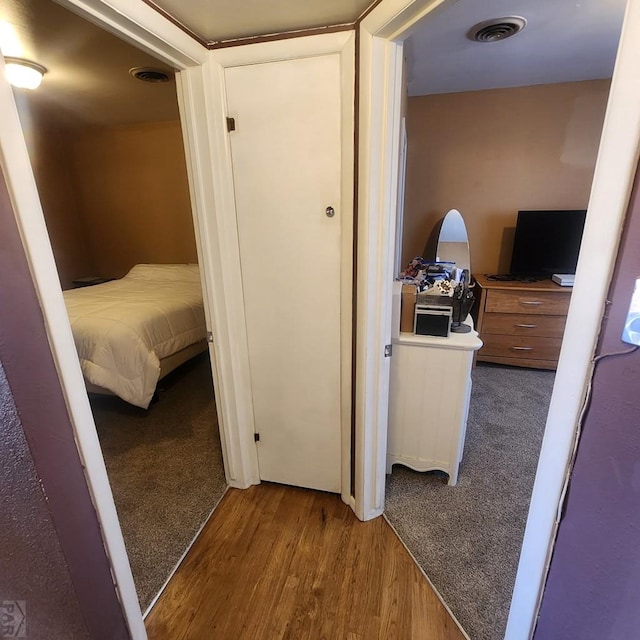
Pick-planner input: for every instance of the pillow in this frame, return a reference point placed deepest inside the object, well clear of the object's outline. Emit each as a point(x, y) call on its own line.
point(166, 272)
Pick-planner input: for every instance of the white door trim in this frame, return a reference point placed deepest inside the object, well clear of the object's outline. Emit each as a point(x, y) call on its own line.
point(217, 248)
point(393, 20)
point(380, 98)
point(222, 223)
point(141, 25)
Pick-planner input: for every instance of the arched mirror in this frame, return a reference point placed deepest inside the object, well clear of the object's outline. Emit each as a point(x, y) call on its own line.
point(449, 242)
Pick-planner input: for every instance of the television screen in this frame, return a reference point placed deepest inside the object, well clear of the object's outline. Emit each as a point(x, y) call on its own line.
point(547, 242)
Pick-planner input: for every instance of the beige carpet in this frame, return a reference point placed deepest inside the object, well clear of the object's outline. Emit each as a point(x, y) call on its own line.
point(165, 469)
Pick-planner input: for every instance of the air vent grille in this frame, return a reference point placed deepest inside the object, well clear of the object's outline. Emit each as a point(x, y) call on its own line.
point(497, 29)
point(149, 74)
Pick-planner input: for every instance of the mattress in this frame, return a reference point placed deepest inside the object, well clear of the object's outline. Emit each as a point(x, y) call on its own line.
point(122, 329)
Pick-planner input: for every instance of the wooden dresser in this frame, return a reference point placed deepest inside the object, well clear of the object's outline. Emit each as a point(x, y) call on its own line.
point(521, 323)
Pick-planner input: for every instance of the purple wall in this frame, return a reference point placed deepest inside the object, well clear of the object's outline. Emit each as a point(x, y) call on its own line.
point(593, 588)
point(40, 406)
point(32, 567)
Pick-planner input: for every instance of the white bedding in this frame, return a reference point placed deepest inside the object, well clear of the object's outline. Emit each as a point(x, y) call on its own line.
point(122, 329)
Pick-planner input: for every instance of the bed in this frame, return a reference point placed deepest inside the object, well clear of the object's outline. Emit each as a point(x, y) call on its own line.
point(131, 332)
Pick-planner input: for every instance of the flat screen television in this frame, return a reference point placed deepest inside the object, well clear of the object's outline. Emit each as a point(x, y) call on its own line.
point(547, 242)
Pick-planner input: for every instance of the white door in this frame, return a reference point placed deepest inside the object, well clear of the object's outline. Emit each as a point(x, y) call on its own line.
point(287, 171)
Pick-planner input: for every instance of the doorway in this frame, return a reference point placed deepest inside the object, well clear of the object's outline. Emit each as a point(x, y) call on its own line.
point(109, 164)
point(489, 152)
point(382, 33)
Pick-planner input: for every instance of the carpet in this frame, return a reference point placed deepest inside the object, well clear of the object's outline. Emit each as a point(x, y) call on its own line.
point(165, 469)
point(467, 538)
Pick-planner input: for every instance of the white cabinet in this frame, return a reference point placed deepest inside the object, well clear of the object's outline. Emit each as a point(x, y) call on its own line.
point(429, 400)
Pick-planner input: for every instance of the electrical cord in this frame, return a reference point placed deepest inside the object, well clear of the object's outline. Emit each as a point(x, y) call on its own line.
point(585, 408)
point(615, 353)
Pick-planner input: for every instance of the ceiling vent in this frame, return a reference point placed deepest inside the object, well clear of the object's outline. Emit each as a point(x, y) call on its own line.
point(149, 74)
point(496, 29)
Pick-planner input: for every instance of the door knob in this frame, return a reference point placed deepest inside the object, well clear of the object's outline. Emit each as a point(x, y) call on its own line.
point(330, 211)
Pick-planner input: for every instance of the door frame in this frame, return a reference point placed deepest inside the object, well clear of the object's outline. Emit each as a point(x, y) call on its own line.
point(381, 33)
point(176, 48)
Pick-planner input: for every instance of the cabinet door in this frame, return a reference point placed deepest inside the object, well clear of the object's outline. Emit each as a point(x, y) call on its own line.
point(286, 153)
point(428, 407)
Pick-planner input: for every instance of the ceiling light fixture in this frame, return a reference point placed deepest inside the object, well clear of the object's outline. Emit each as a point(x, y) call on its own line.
point(496, 29)
point(22, 73)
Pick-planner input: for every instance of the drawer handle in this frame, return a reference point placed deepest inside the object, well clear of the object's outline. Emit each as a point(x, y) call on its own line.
point(526, 326)
point(531, 303)
point(522, 348)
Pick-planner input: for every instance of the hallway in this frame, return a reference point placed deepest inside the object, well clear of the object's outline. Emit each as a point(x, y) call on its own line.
point(280, 562)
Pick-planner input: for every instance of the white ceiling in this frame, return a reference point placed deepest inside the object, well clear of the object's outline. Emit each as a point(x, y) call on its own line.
point(564, 41)
point(215, 20)
point(88, 80)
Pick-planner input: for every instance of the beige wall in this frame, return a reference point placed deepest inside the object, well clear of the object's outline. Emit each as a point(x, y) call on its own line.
point(50, 155)
point(492, 153)
point(112, 197)
point(134, 196)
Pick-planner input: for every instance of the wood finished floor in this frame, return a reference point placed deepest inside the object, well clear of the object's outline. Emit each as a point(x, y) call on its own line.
point(279, 562)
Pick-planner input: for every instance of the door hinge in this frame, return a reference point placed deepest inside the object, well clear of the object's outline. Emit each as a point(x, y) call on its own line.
point(388, 350)
point(209, 336)
point(256, 437)
point(231, 124)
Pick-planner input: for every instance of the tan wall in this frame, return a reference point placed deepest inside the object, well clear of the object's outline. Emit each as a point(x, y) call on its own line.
point(50, 156)
point(134, 196)
point(492, 153)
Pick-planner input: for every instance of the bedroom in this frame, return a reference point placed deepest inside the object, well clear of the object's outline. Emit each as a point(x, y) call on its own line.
point(491, 136)
point(111, 173)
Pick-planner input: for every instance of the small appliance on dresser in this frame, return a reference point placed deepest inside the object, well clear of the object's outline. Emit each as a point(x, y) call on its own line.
point(433, 320)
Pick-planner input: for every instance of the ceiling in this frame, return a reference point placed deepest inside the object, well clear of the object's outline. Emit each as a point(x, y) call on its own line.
point(88, 81)
point(217, 20)
point(564, 41)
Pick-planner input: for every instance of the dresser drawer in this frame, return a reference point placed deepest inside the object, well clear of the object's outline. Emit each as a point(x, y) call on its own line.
point(524, 325)
point(542, 302)
point(532, 348)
